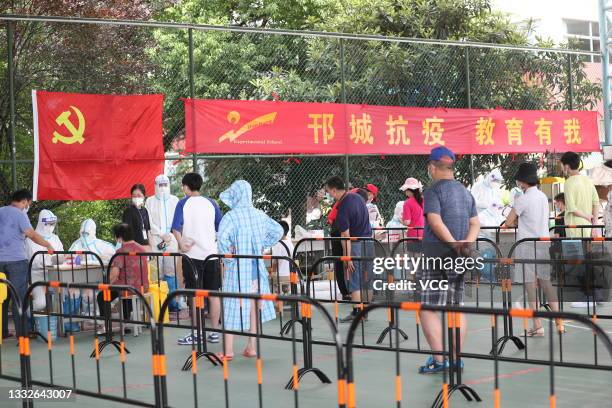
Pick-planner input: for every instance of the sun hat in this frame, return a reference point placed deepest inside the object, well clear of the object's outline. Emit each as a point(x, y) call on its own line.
point(527, 173)
point(602, 176)
point(411, 183)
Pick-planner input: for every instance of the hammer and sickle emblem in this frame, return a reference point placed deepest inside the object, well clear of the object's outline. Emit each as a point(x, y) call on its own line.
point(76, 133)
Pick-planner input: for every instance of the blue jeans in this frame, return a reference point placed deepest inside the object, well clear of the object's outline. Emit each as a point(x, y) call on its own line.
point(17, 273)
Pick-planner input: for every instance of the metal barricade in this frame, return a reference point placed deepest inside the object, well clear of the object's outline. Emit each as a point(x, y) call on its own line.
point(53, 380)
point(303, 303)
point(451, 351)
point(564, 228)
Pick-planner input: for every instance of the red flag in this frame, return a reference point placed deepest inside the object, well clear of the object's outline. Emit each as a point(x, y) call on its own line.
point(95, 147)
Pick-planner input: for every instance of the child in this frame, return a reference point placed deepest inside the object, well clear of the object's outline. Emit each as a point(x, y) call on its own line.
point(559, 202)
point(280, 269)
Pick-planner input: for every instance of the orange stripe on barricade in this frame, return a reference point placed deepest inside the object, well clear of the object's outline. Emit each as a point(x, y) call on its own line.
point(506, 261)
point(410, 306)
point(194, 362)
point(572, 226)
point(418, 318)
point(398, 388)
point(445, 395)
point(201, 293)
point(336, 310)
point(353, 238)
point(269, 296)
point(199, 302)
point(598, 238)
point(361, 306)
point(266, 256)
point(306, 310)
point(521, 312)
point(50, 252)
point(544, 239)
point(458, 320)
point(225, 368)
point(159, 365)
point(97, 348)
point(492, 320)
point(296, 380)
point(49, 340)
point(496, 398)
point(127, 293)
point(228, 256)
point(78, 252)
point(24, 346)
point(553, 401)
point(389, 314)
point(165, 254)
point(103, 286)
point(318, 238)
point(54, 284)
point(122, 351)
point(351, 395)
point(131, 253)
point(525, 324)
point(293, 278)
point(71, 344)
point(259, 372)
point(345, 258)
point(450, 320)
point(341, 392)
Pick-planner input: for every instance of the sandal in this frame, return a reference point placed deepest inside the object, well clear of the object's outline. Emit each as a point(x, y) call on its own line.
point(249, 354)
point(226, 357)
point(539, 332)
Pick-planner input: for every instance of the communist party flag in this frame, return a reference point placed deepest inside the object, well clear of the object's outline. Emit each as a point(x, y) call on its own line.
point(95, 147)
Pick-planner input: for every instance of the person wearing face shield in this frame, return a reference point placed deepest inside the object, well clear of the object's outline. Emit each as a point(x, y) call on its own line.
point(489, 203)
point(137, 216)
point(41, 263)
point(15, 227)
point(161, 208)
point(87, 241)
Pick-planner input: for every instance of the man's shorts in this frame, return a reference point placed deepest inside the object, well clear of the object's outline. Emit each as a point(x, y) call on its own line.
point(437, 296)
point(361, 277)
point(208, 273)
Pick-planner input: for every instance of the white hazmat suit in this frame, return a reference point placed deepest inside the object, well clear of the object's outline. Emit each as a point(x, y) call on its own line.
point(42, 263)
point(488, 198)
point(161, 209)
point(89, 242)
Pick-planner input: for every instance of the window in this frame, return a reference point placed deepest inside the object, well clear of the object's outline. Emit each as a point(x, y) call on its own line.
point(584, 35)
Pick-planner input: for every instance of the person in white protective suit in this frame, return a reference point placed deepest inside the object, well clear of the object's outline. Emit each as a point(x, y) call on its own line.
point(43, 263)
point(488, 197)
point(105, 250)
point(161, 207)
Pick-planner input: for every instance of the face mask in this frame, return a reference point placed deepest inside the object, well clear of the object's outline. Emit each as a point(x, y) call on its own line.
point(118, 245)
point(164, 191)
point(48, 229)
point(138, 201)
point(328, 197)
point(26, 209)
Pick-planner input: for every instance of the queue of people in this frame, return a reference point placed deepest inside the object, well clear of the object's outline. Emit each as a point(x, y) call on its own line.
point(445, 217)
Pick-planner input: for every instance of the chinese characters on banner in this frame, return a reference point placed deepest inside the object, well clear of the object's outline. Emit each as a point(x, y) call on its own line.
point(234, 126)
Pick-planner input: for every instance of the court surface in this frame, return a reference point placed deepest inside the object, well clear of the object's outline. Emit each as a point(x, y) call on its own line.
point(521, 384)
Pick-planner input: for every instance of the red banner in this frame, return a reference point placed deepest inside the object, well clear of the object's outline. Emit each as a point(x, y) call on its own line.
point(232, 126)
point(95, 147)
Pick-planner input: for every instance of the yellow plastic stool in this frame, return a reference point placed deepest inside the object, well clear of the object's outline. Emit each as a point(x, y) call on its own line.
point(3, 295)
point(159, 293)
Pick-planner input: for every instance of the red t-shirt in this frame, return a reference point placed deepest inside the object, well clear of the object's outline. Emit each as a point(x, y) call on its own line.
point(413, 212)
point(133, 269)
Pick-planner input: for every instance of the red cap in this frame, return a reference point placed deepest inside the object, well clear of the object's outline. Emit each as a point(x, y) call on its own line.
point(372, 189)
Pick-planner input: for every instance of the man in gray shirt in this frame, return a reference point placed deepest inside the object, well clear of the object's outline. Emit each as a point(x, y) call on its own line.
point(451, 224)
point(15, 227)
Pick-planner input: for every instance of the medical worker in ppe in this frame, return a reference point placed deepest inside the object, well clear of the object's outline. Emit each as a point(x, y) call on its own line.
point(488, 197)
point(161, 208)
point(105, 250)
point(42, 264)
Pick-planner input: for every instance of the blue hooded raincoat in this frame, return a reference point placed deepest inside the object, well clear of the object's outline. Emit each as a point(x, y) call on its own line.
point(245, 230)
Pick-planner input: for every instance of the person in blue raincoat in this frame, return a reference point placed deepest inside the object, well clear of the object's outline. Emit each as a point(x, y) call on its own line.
point(245, 230)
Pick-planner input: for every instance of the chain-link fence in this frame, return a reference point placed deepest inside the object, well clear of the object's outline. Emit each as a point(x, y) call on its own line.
point(238, 63)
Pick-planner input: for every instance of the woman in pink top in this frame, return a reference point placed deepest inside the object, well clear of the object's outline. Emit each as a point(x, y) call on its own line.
point(413, 207)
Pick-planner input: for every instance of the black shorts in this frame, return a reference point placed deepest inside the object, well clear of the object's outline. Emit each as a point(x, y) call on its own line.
point(208, 273)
